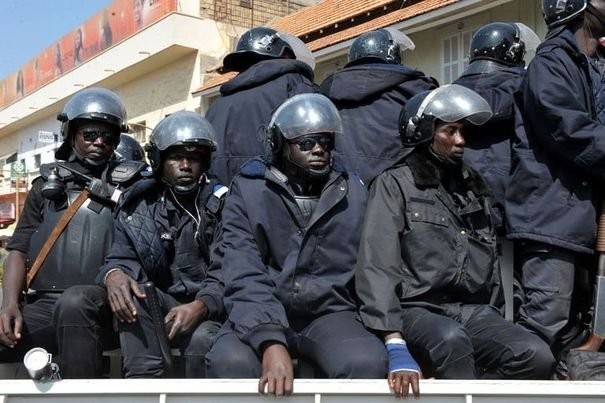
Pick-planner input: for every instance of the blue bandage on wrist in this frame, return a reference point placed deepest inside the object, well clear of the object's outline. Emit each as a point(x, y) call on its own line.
point(400, 358)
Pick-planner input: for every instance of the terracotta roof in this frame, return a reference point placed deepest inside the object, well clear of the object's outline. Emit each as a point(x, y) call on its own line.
point(323, 14)
point(383, 21)
point(216, 80)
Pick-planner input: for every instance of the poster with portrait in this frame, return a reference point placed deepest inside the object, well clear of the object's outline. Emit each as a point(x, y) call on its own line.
point(112, 25)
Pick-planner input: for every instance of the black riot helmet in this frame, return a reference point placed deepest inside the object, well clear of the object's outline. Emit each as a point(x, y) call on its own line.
point(129, 149)
point(499, 45)
point(559, 12)
point(94, 103)
point(180, 128)
point(380, 46)
point(301, 115)
point(448, 103)
point(256, 44)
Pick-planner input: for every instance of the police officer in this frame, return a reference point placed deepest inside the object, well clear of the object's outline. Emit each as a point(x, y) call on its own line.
point(558, 165)
point(495, 72)
point(290, 235)
point(269, 73)
point(369, 93)
point(91, 123)
point(163, 233)
point(427, 260)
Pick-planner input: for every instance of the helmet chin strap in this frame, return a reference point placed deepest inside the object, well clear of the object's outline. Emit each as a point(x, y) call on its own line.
point(183, 190)
point(187, 189)
point(447, 162)
point(88, 162)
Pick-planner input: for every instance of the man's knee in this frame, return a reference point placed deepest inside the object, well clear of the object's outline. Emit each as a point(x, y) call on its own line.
point(201, 340)
point(451, 353)
point(229, 359)
point(533, 361)
point(371, 362)
point(74, 303)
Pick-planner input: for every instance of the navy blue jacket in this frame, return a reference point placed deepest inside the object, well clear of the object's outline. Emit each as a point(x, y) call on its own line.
point(277, 269)
point(487, 148)
point(155, 241)
point(559, 155)
point(370, 98)
point(244, 109)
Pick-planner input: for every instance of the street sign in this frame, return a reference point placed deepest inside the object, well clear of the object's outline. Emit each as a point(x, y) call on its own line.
point(17, 169)
point(46, 137)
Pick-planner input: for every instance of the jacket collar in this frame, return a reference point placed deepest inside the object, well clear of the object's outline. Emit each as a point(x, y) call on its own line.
point(426, 173)
point(263, 72)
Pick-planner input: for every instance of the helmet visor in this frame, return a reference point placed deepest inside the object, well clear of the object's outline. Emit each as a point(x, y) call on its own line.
point(453, 103)
point(306, 114)
point(183, 128)
point(301, 51)
point(529, 38)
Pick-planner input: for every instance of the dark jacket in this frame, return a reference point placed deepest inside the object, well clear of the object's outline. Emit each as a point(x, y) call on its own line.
point(244, 109)
point(276, 268)
point(559, 154)
point(419, 248)
point(487, 148)
point(156, 241)
point(370, 98)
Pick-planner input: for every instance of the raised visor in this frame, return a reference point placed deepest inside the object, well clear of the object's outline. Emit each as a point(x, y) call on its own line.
point(305, 391)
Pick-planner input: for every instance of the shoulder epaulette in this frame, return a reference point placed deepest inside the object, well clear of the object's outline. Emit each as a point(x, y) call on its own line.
point(214, 203)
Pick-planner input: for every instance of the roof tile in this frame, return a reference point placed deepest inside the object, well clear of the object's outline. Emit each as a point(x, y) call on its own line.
point(379, 22)
point(328, 12)
point(325, 13)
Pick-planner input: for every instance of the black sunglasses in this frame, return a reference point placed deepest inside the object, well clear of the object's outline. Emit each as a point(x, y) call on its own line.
point(91, 135)
point(308, 143)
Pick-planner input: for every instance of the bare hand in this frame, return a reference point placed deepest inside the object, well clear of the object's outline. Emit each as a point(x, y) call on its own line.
point(402, 381)
point(185, 317)
point(278, 376)
point(120, 291)
point(11, 323)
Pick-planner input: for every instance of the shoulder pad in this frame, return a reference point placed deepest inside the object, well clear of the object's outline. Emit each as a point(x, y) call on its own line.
point(214, 203)
point(46, 169)
point(125, 173)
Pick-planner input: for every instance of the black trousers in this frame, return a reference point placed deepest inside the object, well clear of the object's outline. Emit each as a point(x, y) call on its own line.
point(141, 349)
point(474, 341)
point(336, 344)
point(83, 321)
point(38, 330)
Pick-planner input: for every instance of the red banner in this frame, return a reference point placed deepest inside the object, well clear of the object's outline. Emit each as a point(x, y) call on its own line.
point(120, 20)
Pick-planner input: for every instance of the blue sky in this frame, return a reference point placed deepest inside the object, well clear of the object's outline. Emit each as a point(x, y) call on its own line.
point(29, 26)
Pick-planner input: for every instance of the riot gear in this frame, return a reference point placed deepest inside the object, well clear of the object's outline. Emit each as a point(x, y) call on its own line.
point(559, 12)
point(183, 128)
point(95, 103)
point(301, 115)
point(256, 44)
point(380, 46)
point(129, 149)
point(499, 45)
point(448, 103)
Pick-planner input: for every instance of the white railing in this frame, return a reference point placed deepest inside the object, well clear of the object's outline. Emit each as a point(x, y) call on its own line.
point(305, 391)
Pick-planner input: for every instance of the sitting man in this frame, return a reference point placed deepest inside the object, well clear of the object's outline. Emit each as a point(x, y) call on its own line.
point(86, 171)
point(163, 232)
point(291, 227)
point(427, 263)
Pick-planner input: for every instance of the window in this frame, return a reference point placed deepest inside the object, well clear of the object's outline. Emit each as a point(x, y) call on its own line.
point(37, 161)
point(455, 55)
